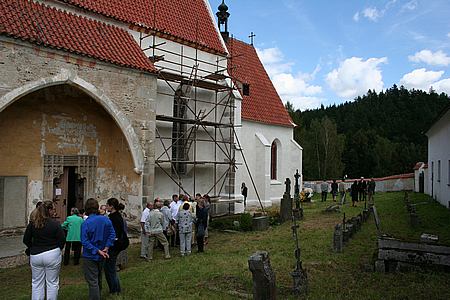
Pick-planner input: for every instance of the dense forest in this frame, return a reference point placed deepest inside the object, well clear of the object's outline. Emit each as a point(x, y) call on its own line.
point(378, 134)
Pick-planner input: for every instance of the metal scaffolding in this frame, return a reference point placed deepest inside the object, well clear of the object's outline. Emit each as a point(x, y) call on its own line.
point(196, 120)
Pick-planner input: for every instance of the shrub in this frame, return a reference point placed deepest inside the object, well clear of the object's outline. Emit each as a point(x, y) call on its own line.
point(246, 222)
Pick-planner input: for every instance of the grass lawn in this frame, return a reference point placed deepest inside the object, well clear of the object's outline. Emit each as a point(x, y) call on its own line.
point(222, 272)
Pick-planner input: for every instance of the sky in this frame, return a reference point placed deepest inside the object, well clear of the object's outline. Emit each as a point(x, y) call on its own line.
point(325, 52)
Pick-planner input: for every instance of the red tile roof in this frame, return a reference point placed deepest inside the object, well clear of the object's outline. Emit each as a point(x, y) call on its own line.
point(188, 20)
point(263, 104)
point(42, 25)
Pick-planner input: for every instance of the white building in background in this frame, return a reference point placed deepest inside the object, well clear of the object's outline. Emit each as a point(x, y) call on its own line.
point(439, 158)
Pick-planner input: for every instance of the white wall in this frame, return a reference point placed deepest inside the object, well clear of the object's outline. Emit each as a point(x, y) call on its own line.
point(439, 150)
point(205, 174)
point(256, 139)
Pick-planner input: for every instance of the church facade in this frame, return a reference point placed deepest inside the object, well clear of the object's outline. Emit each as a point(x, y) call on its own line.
point(133, 102)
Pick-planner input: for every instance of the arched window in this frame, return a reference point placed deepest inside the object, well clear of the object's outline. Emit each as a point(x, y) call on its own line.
point(273, 161)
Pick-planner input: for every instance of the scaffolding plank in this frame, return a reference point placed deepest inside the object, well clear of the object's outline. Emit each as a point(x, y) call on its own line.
point(190, 121)
point(198, 162)
point(216, 76)
point(196, 82)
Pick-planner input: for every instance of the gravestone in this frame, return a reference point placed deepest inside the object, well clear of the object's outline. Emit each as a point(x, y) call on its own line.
point(298, 211)
point(333, 208)
point(338, 238)
point(260, 223)
point(299, 274)
point(377, 219)
point(297, 190)
point(264, 287)
point(350, 230)
point(365, 214)
point(429, 238)
point(286, 203)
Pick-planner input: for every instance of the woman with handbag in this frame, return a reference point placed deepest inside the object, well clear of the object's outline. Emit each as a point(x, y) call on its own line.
point(45, 239)
point(202, 223)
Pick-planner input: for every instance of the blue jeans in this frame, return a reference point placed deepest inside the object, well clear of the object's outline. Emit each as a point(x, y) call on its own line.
point(111, 274)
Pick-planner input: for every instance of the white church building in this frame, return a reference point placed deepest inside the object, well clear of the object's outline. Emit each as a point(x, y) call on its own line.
point(134, 100)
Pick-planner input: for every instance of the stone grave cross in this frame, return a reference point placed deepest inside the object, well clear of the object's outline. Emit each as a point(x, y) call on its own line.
point(299, 274)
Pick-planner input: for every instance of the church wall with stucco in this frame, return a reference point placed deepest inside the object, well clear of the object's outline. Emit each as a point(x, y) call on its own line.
point(52, 102)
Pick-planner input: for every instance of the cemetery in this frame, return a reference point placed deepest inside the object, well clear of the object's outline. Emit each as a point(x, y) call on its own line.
point(227, 270)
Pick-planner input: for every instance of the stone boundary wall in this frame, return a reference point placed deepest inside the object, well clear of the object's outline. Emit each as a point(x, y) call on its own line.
point(394, 183)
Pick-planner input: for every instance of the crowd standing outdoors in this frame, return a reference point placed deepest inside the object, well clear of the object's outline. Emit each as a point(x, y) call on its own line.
point(180, 222)
point(99, 233)
point(360, 190)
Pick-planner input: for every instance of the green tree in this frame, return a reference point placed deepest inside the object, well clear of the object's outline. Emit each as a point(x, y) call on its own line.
point(322, 150)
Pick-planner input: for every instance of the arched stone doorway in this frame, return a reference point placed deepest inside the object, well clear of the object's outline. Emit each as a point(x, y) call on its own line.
point(67, 144)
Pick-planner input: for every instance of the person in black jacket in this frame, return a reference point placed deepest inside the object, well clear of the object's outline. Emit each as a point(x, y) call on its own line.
point(202, 223)
point(334, 189)
point(45, 239)
point(112, 206)
point(354, 190)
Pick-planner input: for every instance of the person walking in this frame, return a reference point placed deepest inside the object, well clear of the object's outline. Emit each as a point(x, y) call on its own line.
point(113, 207)
point(364, 190)
point(371, 191)
point(154, 229)
point(354, 192)
point(184, 220)
point(342, 192)
point(167, 217)
point(334, 189)
point(97, 236)
point(174, 209)
point(73, 239)
point(244, 192)
point(144, 236)
point(44, 239)
point(360, 189)
point(202, 223)
point(324, 189)
point(207, 206)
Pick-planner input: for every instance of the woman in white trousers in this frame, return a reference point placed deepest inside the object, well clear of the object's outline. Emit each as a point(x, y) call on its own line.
point(44, 238)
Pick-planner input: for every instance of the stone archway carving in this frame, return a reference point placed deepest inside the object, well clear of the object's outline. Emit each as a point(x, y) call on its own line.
point(70, 77)
point(86, 167)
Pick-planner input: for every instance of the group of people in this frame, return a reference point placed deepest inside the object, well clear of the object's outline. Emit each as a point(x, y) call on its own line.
point(182, 221)
point(100, 237)
point(359, 190)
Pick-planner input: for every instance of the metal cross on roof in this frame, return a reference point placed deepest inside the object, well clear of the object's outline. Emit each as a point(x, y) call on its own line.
point(251, 36)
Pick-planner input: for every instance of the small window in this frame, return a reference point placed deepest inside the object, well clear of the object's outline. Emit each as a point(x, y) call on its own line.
point(246, 89)
point(273, 161)
point(432, 171)
point(448, 171)
point(439, 171)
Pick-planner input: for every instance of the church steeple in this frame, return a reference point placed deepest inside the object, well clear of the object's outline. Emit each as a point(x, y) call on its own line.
point(222, 18)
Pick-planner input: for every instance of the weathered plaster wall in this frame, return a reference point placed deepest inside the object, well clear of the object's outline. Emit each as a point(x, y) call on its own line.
point(61, 120)
point(127, 96)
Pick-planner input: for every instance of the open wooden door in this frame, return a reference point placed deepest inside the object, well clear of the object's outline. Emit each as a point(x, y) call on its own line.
point(60, 193)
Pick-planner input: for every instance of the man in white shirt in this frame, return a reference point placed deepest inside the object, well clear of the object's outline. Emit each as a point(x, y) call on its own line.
point(144, 237)
point(174, 207)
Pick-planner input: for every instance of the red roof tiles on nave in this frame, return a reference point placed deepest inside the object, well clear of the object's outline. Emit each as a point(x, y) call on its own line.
point(188, 20)
point(263, 104)
point(42, 25)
